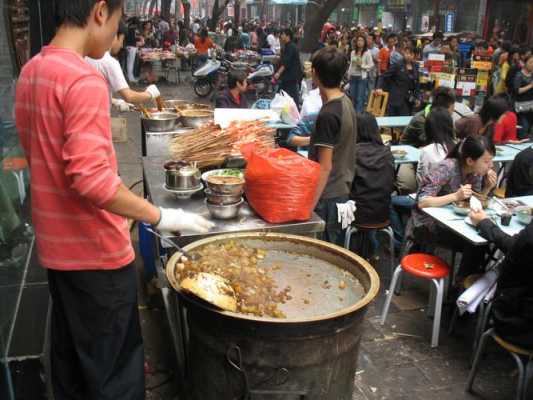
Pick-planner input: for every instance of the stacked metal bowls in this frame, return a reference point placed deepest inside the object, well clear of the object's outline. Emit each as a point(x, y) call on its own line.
point(182, 179)
point(224, 196)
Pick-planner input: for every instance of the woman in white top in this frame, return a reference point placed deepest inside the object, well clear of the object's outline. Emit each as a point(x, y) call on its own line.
point(441, 139)
point(360, 64)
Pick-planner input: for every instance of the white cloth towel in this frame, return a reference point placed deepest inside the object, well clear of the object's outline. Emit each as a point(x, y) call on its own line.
point(346, 213)
point(472, 297)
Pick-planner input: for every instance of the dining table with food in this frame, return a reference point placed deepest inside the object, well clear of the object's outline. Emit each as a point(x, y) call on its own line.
point(510, 214)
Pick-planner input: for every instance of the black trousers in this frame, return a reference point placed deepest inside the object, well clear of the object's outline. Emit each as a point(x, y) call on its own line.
point(399, 110)
point(96, 343)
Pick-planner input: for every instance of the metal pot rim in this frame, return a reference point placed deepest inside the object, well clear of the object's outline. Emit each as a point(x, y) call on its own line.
point(372, 292)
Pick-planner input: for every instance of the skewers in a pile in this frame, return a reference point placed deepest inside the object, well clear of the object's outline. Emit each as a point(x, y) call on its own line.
point(210, 145)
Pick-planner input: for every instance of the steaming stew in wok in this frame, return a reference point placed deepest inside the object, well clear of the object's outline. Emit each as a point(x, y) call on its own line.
point(255, 289)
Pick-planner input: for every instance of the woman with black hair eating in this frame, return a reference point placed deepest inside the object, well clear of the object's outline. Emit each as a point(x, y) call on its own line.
point(466, 169)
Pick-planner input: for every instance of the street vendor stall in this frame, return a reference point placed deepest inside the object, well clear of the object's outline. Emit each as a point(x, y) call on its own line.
point(206, 147)
point(162, 62)
point(247, 221)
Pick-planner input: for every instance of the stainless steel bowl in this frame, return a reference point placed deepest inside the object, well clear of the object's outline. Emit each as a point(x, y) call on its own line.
point(185, 105)
point(174, 103)
point(222, 199)
point(160, 122)
point(227, 211)
point(195, 106)
point(196, 118)
point(181, 177)
point(225, 188)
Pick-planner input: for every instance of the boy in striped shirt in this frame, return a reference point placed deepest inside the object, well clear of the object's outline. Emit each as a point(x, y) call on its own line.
point(80, 206)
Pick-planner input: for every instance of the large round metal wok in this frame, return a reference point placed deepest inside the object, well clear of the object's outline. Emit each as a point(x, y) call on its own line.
point(312, 354)
point(326, 281)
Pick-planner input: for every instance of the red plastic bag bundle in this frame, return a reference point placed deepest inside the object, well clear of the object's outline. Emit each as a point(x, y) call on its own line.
point(280, 184)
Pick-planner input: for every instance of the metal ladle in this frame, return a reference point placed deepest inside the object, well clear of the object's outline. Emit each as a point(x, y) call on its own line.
point(209, 287)
point(166, 240)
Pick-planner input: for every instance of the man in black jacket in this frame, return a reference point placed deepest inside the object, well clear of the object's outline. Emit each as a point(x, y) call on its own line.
point(520, 182)
point(290, 70)
point(513, 303)
point(234, 96)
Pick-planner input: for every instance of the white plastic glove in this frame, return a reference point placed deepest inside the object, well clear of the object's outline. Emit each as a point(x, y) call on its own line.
point(153, 91)
point(346, 213)
point(175, 219)
point(121, 105)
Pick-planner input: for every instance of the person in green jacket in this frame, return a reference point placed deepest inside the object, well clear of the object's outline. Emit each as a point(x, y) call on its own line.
point(415, 134)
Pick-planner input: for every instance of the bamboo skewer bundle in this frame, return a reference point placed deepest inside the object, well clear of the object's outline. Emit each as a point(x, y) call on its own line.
point(210, 145)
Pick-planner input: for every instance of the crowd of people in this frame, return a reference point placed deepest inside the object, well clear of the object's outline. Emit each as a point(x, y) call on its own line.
point(356, 165)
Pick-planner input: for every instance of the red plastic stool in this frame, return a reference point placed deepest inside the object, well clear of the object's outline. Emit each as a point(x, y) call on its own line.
point(423, 266)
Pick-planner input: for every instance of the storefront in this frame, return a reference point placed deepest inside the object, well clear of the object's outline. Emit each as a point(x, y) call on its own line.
point(396, 14)
point(455, 15)
point(367, 12)
point(23, 284)
point(512, 17)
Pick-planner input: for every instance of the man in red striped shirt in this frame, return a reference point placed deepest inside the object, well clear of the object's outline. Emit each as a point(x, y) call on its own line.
point(80, 206)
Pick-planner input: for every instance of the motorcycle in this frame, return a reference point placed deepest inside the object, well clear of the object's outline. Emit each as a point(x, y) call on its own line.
point(206, 77)
point(260, 80)
point(213, 75)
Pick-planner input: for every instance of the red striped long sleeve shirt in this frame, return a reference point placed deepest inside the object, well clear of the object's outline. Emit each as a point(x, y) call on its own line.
point(63, 121)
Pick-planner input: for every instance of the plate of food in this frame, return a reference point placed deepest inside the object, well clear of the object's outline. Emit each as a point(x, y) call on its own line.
point(399, 154)
point(239, 173)
point(461, 207)
point(512, 204)
point(523, 214)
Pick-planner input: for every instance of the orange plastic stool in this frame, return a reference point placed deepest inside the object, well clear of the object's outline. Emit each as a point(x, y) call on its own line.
point(425, 266)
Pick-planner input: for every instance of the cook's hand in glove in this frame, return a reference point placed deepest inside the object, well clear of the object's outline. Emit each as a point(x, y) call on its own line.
point(121, 105)
point(153, 91)
point(174, 220)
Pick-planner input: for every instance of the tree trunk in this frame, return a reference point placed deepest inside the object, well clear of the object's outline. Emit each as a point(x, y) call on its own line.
point(262, 10)
point(153, 6)
point(237, 11)
point(216, 14)
point(186, 13)
point(165, 9)
point(316, 15)
point(436, 15)
point(177, 10)
point(214, 18)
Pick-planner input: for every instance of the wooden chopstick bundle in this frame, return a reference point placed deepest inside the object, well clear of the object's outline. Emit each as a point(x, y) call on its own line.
point(210, 145)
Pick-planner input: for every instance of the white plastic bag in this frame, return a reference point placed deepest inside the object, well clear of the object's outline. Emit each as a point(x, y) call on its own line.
point(285, 105)
point(312, 104)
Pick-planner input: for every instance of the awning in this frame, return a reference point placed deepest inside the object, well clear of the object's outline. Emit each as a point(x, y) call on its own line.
point(291, 2)
point(279, 2)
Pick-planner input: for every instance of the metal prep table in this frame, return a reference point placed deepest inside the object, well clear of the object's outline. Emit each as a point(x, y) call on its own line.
point(247, 220)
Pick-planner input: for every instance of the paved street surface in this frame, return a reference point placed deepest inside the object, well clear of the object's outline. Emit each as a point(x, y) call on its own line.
point(395, 361)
